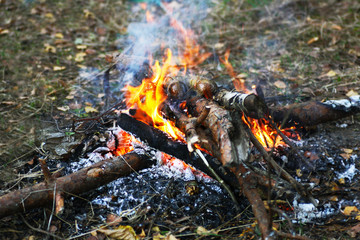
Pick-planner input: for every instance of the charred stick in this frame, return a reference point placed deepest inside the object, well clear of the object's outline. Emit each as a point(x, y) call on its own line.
point(154, 137)
point(159, 140)
point(89, 178)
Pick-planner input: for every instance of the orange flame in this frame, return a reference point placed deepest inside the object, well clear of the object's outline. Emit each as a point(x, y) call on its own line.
point(191, 52)
point(266, 135)
point(148, 97)
point(239, 83)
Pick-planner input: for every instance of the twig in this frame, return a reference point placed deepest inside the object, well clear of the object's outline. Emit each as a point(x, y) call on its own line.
point(39, 230)
point(227, 188)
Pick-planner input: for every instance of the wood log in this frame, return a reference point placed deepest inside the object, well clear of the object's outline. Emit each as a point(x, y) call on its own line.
point(251, 104)
point(314, 112)
point(87, 179)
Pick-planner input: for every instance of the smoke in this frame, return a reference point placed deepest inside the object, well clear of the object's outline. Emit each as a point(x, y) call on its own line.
point(154, 33)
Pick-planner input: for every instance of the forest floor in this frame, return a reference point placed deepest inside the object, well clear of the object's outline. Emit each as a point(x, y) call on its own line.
point(292, 48)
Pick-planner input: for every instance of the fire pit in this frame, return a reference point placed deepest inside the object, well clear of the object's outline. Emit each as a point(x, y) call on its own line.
point(178, 145)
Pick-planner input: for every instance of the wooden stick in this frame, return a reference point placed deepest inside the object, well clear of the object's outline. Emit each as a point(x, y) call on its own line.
point(89, 178)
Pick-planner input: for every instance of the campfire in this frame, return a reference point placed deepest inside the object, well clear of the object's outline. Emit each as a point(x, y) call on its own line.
point(186, 120)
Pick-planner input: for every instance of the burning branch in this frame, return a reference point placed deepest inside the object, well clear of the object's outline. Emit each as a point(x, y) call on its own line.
point(161, 141)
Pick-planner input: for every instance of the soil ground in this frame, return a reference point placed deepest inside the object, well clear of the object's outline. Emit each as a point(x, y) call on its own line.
point(292, 48)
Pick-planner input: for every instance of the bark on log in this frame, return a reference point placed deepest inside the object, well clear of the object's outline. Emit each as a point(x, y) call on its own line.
point(313, 113)
point(82, 181)
point(219, 122)
point(251, 104)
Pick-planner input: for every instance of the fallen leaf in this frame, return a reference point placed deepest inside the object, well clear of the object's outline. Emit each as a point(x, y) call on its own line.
point(81, 46)
point(336, 27)
point(334, 198)
point(113, 219)
point(219, 46)
point(88, 14)
point(59, 200)
point(349, 209)
point(280, 84)
point(63, 108)
point(49, 48)
point(90, 51)
point(351, 93)
point(109, 58)
point(347, 150)
point(170, 237)
point(89, 109)
point(49, 15)
point(59, 35)
point(342, 181)
point(58, 68)
point(101, 31)
point(345, 156)
point(312, 40)
point(78, 41)
point(120, 233)
point(203, 231)
point(331, 73)
point(31, 162)
point(298, 172)
point(79, 57)
point(354, 52)
point(3, 31)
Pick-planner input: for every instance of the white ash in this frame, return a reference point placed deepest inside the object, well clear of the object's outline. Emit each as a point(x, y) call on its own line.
point(350, 171)
point(343, 125)
point(307, 212)
point(353, 101)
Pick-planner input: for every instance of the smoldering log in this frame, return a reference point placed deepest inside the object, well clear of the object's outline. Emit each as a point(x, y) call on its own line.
point(160, 141)
point(314, 112)
point(89, 178)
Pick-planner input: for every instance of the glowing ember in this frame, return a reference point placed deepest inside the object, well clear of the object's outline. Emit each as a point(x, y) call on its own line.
point(122, 142)
point(177, 164)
